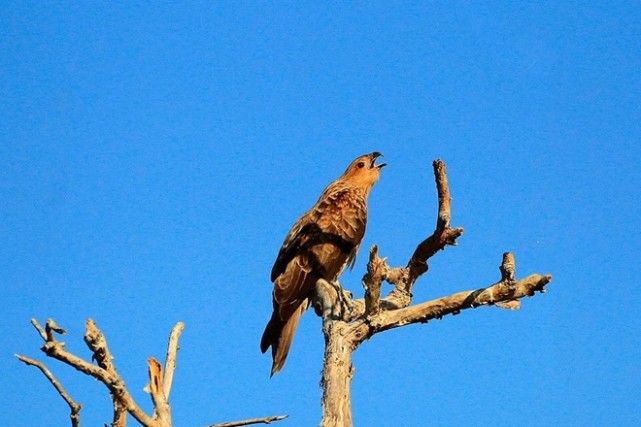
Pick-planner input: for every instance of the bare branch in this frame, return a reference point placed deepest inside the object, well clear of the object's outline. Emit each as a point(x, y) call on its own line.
point(443, 235)
point(376, 269)
point(111, 380)
point(453, 304)
point(41, 331)
point(508, 271)
point(96, 342)
point(400, 296)
point(170, 359)
point(508, 268)
point(443, 191)
point(159, 385)
point(75, 407)
point(51, 327)
point(156, 389)
point(264, 420)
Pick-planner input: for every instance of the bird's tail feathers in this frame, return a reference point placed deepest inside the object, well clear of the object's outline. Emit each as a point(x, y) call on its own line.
point(279, 335)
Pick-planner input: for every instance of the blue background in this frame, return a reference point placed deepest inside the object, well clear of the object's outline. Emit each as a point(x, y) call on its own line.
point(153, 156)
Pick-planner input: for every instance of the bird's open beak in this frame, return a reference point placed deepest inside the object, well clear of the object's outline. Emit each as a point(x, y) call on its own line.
point(375, 155)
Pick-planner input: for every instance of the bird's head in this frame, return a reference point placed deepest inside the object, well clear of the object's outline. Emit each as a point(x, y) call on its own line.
point(363, 171)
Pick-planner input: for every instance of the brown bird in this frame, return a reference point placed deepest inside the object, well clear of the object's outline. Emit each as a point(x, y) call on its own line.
point(319, 245)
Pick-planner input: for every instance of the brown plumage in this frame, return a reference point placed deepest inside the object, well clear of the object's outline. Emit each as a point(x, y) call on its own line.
point(319, 245)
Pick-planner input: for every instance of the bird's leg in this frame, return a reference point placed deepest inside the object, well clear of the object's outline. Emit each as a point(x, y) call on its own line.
point(323, 300)
point(331, 301)
point(343, 306)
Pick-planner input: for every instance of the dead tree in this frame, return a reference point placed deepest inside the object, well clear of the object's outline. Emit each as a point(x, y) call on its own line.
point(103, 370)
point(348, 322)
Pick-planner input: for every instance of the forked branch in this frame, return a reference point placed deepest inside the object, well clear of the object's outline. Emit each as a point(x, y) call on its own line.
point(105, 372)
point(500, 292)
point(373, 314)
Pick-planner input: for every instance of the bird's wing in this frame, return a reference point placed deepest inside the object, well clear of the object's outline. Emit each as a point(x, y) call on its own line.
point(320, 244)
point(298, 235)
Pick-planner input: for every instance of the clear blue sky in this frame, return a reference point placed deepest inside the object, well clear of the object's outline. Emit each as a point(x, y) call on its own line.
point(153, 156)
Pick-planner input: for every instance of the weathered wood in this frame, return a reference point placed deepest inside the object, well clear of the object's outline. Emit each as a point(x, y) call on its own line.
point(372, 314)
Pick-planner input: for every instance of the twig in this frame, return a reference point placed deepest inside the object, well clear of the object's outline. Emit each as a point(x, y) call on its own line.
point(264, 420)
point(75, 407)
point(170, 360)
point(41, 331)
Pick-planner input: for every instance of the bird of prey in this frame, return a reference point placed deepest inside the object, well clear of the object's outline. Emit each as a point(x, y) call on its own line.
point(319, 246)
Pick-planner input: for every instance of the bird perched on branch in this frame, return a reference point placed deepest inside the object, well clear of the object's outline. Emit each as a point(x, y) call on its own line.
point(319, 246)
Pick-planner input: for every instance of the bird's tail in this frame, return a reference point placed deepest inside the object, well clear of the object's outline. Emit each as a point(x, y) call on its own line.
point(279, 335)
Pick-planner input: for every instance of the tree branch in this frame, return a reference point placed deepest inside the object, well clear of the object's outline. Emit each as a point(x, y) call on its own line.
point(264, 420)
point(162, 412)
point(453, 304)
point(508, 270)
point(170, 359)
point(75, 407)
point(443, 235)
point(159, 386)
point(41, 331)
point(111, 380)
point(372, 282)
point(96, 342)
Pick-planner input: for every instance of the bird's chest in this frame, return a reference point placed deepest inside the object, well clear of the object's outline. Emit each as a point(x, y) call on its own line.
point(348, 203)
point(343, 224)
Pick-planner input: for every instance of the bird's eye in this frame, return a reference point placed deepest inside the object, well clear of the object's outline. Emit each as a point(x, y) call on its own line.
point(360, 165)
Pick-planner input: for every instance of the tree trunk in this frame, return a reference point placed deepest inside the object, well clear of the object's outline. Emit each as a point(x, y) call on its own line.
point(337, 375)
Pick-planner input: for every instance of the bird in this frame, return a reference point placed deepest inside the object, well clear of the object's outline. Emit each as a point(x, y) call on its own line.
point(320, 244)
